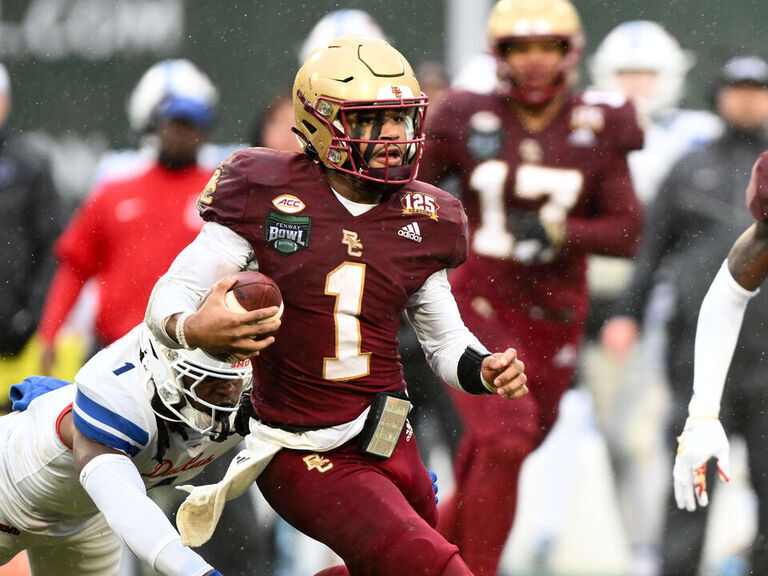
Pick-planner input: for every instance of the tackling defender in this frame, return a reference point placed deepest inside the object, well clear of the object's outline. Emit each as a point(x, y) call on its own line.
point(76, 460)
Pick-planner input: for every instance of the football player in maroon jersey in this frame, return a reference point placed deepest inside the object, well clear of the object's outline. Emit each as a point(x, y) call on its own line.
point(544, 183)
point(717, 332)
point(352, 240)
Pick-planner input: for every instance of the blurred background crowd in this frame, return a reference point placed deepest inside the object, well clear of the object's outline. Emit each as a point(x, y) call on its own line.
point(98, 97)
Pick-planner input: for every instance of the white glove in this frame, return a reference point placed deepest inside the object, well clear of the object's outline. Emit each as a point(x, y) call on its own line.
point(702, 439)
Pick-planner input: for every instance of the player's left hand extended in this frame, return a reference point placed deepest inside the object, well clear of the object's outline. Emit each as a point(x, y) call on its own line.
point(505, 372)
point(702, 439)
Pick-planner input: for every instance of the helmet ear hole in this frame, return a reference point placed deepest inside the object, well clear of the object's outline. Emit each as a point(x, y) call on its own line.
point(310, 127)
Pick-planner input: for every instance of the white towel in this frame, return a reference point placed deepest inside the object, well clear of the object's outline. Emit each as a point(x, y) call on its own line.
point(198, 515)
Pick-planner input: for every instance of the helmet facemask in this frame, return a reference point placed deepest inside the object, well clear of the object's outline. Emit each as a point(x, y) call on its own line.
point(350, 152)
point(177, 376)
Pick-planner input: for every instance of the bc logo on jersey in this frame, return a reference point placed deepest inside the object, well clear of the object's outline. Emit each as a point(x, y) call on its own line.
point(352, 241)
point(317, 462)
point(287, 234)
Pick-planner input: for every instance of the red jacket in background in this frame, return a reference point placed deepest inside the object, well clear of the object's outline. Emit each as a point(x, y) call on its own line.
point(125, 235)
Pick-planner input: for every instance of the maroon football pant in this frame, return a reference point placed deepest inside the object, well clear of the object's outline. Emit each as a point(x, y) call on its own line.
point(499, 433)
point(378, 515)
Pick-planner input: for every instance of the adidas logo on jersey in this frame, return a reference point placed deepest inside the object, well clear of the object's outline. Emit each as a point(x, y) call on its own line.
point(411, 231)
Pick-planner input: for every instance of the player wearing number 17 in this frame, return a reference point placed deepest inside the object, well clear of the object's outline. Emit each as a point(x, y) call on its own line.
point(352, 240)
point(545, 182)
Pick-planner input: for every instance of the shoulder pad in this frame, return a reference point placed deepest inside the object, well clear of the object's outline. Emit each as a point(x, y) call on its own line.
point(111, 408)
point(223, 199)
point(450, 206)
point(262, 166)
point(443, 207)
point(621, 131)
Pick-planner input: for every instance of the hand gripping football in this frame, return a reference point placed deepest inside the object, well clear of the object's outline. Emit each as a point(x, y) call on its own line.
point(253, 291)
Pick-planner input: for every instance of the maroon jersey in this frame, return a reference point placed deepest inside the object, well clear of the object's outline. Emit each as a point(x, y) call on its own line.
point(345, 279)
point(757, 191)
point(574, 170)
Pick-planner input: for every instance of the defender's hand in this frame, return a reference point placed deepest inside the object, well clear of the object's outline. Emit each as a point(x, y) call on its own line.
point(505, 373)
point(244, 414)
point(702, 439)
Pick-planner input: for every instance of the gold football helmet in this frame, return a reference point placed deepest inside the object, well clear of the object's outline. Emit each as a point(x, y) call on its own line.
point(518, 20)
point(348, 75)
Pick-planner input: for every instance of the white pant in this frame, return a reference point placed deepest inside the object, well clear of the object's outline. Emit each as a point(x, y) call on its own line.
point(95, 551)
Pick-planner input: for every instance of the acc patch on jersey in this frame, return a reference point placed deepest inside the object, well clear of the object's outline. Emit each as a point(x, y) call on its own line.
point(288, 203)
point(286, 233)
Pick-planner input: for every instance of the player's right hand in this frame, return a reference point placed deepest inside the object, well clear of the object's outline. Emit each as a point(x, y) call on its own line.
point(218, 330)
point(702, 439)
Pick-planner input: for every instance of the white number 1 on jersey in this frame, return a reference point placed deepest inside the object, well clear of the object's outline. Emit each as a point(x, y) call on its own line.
point(346, 283)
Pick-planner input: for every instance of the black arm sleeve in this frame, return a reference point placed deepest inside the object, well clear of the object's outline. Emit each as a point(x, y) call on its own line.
point(469, 371)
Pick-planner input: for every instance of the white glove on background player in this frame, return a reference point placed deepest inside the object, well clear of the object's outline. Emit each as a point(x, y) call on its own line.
point(702, 439)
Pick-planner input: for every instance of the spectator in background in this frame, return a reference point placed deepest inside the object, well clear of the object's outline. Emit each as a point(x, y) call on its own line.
point(31, 221)
point(273, 126)
point(128, 230)
point(642, 61)
point(434, 81)
point(545, 182)
point(166, 77)
point(693, 221)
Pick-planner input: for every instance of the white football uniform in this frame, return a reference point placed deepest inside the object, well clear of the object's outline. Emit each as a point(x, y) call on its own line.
point(43, 504)
point(667, 138)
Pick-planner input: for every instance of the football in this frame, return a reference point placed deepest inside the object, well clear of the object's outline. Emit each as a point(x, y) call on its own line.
point(252, 291)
